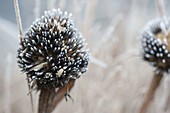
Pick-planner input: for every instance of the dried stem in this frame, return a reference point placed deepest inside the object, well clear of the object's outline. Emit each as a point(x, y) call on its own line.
point(152, 89)
point(18, 18)
point(30, 93)
point(161, 8)
point(167, 103)
point(49, 98)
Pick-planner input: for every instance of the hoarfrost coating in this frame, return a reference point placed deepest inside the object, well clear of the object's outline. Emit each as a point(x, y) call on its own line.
point(52, 51)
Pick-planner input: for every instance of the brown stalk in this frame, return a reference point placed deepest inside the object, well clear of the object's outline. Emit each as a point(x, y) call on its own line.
point(152, 89)
point(18, 18)
point(49, 98)
point(157, 77)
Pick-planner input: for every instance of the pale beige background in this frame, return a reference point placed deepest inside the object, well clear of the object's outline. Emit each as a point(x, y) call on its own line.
point(117, 79)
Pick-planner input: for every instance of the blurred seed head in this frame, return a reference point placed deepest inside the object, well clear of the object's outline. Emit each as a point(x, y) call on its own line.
point(156, 44)
point(52, 51)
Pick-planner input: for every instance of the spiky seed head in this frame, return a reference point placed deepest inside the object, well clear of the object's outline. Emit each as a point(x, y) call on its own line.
point(52, 51)
point(156, 44)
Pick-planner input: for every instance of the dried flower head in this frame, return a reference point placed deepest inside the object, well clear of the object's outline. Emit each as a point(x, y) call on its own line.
point(156, 44)
point(52, 51)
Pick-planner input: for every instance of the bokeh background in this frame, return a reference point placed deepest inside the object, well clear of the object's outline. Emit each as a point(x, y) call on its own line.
point(117, 79)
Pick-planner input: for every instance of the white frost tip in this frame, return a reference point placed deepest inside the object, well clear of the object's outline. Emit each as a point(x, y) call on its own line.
point(65, 13)
point(147, 56)
point(54, 10)
point(70, 15)
point(163, 60)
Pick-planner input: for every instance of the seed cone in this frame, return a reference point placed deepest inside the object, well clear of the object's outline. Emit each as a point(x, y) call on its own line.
point(52, 51)
point(156, 44)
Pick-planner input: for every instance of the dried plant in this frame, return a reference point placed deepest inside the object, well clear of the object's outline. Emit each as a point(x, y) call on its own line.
point(118, 78)
point(52, 55)
point(156, 50)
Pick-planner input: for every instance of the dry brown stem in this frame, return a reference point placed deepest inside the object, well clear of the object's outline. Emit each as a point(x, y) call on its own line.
point(49, 98)
point(152, 89)
point(18, 18)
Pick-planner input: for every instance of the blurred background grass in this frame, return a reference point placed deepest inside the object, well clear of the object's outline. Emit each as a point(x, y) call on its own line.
point(117, 79)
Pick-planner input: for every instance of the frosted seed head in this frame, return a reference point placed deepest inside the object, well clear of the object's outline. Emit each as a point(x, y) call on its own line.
point(53, 51)
point(155, 43)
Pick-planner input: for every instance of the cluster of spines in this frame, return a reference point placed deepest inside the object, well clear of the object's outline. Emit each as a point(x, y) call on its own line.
point(155, 47)
point(53, 50)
